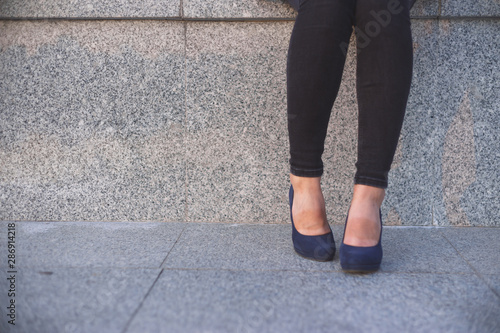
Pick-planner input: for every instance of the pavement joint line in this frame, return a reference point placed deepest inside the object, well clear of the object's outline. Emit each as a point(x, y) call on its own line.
point(142, 302)
point(178, 237)
point(48, 268)
point(310, 271)
point(237, 224)
point(476, 272)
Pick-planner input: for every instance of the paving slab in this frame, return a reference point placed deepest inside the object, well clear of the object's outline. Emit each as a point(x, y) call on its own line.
point(221, 277)
point(75, 299)
point(252, 301)
point(422, 250)
point(91, 244)
point(269, 247)
point(479, 246)
point(240, 246)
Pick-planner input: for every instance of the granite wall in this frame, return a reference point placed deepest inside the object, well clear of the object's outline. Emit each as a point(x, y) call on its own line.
point(175, 110)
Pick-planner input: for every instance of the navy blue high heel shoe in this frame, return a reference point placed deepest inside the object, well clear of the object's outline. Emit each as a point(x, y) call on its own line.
point(319, 248)
point(358, 259)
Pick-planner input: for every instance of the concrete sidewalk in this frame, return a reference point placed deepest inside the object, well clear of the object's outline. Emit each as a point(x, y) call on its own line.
point(214, 277)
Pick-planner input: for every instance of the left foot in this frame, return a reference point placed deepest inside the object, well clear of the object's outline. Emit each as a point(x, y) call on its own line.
point(308, 212)
point(363, 225)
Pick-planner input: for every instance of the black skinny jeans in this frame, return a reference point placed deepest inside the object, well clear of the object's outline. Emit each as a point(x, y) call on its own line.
point(315, 63)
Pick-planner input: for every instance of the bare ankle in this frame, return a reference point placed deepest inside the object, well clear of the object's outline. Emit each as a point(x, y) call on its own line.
point(365, 193)
point(305, 183)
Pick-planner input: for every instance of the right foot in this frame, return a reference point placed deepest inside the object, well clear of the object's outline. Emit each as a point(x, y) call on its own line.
point(308, 209)
point(363, 227)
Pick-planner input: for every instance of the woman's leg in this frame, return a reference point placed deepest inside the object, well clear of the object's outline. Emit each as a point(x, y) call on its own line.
point(384, 70)
point(314, 70)
point(315, 64)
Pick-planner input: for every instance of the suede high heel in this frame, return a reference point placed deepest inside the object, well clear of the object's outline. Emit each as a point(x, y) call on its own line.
point(358, 259)
point(319, 248)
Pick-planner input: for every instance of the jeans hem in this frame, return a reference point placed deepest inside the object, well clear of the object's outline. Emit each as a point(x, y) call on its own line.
point(306, 173)
point(371, 182)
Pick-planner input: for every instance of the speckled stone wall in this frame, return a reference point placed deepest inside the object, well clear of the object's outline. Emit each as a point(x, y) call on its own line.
point(176, 111)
